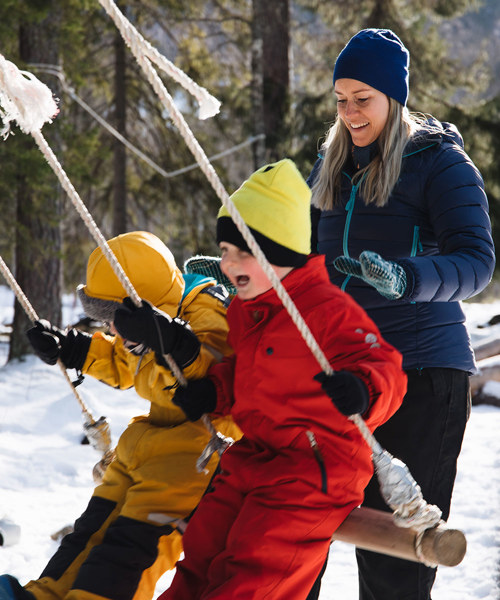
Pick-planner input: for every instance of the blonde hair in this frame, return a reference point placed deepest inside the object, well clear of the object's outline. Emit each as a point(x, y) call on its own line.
point(377, 178)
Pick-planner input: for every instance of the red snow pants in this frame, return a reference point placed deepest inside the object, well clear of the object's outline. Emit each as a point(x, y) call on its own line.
point(264, 529)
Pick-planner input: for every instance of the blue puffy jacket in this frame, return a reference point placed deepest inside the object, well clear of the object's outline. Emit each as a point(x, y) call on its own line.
point(436, 225)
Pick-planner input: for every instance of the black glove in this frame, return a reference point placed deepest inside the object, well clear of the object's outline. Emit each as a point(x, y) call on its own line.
point(198, 398)
point(50, 343)
point(348, 392)
point(156, 330)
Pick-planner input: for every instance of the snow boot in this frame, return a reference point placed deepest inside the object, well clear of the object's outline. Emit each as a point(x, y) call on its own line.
point(11, 589)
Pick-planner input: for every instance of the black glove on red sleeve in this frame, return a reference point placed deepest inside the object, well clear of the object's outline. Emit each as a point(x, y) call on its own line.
point(50, 343)
point(197, 398)
point(155, 329)
point(348, 392)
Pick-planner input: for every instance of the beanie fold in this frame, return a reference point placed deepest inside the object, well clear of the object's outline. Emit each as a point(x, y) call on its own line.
point(275, 253)
point(275, 203)
point(378, 58)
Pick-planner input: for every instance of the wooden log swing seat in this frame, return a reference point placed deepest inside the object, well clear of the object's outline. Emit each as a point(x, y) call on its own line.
point(375, 530)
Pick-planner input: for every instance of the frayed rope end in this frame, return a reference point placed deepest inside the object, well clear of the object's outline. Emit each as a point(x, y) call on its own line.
point(209, 107)
point(24, 99)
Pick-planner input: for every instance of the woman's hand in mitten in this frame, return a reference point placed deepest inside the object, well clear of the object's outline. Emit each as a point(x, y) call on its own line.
point(387, 277)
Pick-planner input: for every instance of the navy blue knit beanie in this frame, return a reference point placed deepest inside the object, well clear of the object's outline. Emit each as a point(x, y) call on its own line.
point(378, 58)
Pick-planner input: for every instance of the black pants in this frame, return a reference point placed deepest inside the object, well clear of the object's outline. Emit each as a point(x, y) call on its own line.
point(426, 433)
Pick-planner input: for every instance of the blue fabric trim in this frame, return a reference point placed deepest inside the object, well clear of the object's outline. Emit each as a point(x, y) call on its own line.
point(345, 282)
point(416, 245)
point(192, 280)
point(419, 150)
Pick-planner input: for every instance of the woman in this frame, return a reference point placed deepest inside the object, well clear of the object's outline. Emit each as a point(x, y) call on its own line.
point(400, 213)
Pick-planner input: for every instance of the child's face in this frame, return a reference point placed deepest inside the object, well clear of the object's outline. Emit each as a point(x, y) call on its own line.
point(245, 272)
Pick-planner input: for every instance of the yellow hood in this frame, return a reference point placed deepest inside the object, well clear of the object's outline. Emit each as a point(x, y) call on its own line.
point(149, 265)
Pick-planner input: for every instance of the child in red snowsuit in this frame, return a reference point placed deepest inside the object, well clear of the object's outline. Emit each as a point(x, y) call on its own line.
point(301, 467)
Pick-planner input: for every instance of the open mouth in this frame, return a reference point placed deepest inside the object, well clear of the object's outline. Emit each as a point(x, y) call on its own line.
point(242, 280)
point(360, 126)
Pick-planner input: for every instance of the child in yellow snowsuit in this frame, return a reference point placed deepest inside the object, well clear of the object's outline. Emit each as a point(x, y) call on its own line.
point(127, 537)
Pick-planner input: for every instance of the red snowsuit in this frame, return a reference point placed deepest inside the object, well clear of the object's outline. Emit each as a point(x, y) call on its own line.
point(264, 531)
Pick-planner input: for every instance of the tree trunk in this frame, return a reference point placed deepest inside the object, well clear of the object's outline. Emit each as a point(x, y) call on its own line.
point(271, 77)
point(119, 151)
point(38, 268)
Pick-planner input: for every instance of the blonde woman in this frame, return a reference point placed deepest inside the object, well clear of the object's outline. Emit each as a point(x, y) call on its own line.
point(400, 213)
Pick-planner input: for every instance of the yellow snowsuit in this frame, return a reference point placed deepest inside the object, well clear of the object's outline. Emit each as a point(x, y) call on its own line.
point(126, 538)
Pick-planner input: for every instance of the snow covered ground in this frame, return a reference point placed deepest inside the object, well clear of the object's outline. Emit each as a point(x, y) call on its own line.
point(46, 474)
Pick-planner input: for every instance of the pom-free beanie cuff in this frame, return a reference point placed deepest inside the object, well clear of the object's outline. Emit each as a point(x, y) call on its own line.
point(275, 203)
point(275, 253)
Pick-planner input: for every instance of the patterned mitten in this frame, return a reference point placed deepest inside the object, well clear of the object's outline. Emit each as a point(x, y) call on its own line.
point(387, 277)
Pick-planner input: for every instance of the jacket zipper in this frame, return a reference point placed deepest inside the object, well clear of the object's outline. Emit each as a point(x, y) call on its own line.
point(319, 458)
point(417, 244)
point(349, 207)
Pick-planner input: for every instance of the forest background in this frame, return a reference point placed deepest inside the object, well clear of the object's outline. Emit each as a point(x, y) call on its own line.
point(269, 62)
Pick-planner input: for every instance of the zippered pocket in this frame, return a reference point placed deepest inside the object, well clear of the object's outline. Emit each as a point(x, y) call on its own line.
point(319, 459)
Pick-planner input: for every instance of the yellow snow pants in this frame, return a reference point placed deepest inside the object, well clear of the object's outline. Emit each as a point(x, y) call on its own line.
point(126, 538)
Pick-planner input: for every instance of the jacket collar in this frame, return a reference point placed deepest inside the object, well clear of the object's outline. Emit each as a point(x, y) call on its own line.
point(295, 280)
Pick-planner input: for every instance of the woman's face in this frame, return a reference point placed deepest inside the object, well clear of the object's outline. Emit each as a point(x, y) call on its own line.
point(363, 109)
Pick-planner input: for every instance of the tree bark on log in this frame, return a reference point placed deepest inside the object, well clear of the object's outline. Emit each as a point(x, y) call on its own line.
point(376, 531)
point(487, 373)
point(487, 349)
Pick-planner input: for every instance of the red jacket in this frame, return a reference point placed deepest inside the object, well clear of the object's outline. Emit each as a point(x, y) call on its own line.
point(267, 384)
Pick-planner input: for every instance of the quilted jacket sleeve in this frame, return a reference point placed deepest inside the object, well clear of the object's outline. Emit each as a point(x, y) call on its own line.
point(458, 209)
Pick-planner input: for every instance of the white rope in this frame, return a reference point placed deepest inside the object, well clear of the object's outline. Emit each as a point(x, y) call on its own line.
point(96, 233)
point(29, 125)
point(57, 72)
point(209, 106)
point(208, 170)
point(379, 454)
point(30, 311)
point(23, 99)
